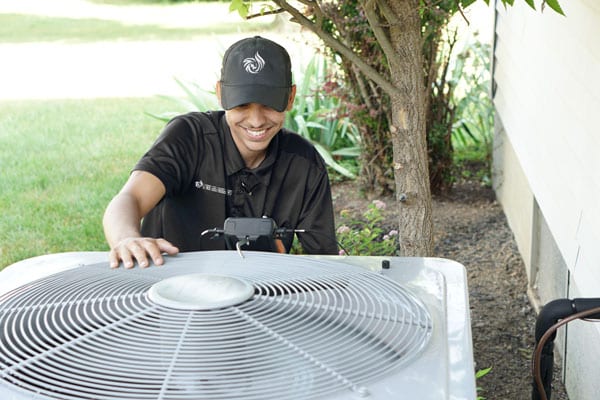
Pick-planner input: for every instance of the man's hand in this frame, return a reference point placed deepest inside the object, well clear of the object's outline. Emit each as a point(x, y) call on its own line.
point(122, 223)
point(138, 249)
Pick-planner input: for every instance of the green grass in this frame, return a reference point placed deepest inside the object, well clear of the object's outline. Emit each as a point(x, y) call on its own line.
point(62, 161)
point(17, 28)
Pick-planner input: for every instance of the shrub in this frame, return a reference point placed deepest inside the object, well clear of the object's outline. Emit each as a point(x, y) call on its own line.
point(365, 236)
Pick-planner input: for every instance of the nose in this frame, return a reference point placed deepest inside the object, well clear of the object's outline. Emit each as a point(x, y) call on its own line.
point(255, 116)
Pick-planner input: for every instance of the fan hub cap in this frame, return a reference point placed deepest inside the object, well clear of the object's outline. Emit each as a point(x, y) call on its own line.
point(200, 292)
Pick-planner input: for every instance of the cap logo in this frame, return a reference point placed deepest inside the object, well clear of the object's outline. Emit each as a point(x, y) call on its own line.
point(253, 65)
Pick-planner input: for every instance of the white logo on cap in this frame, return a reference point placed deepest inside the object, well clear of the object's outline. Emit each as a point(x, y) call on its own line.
point(254, 65)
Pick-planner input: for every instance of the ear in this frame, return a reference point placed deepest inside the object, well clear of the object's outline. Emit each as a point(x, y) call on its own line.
point(218, 92)
point(291, 98)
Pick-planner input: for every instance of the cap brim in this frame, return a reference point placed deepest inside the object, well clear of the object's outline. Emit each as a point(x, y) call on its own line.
point(237, 95)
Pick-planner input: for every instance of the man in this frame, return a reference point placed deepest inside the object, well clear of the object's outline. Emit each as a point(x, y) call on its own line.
point(205, 167)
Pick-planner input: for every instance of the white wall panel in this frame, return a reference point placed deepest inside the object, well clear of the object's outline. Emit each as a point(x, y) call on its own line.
point(548, 96)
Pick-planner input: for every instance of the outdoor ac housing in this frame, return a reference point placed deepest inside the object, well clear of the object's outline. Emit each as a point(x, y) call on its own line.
point(215, 325)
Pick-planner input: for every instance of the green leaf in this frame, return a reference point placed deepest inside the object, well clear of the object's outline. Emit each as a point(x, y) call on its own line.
point(331, 162)
point(240, 6)
point(467, 3)
point(482, 372)
point(316, 125)
point(553, 4)
point(530, 3)
point(347, 152)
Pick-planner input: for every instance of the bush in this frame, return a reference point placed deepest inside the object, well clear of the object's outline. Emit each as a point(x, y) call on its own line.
point(473, 128)
point(365, 236)
point(320, 117)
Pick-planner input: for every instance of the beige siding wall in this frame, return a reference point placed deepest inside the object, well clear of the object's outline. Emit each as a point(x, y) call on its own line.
point(547, 72)
point(547, 166)
point(514, 193)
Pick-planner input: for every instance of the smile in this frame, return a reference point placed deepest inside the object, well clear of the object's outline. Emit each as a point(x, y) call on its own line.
point(256, 133)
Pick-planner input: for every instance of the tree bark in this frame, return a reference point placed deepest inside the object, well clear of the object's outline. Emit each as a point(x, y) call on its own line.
point(408, 131)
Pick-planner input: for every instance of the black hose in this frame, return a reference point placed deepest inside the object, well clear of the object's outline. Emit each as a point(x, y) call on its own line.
point(550, 314)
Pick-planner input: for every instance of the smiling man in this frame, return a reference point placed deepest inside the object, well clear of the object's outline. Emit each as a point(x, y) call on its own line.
point(241, 162)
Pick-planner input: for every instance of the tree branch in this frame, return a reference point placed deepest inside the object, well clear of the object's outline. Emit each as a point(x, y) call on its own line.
point(262, 14)
point(335, 44)
point(381, 36)
point(388, 13)
point(362, 88)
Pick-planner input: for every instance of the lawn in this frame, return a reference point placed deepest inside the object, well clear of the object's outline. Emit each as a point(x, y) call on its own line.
point(17, 28)
point(61, 162)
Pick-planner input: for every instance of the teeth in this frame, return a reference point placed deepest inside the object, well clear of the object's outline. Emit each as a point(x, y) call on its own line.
point(256, 133)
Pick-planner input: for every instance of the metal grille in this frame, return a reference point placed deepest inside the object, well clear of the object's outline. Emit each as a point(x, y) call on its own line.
point(312, 328)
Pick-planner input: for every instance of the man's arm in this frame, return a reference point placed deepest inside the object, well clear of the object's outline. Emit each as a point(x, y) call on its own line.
point(121, 222)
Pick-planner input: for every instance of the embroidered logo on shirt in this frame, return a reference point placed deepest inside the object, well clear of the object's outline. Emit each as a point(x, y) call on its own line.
point(253, 65)
point(212, 188)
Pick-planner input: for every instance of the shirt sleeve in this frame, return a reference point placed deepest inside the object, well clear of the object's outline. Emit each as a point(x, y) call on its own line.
point(317, 218)
point(173, 157)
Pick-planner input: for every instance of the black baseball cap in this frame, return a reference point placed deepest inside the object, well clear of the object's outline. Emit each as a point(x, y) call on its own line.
point(256, 70)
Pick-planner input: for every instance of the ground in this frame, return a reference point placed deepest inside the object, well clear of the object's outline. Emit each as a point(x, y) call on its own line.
point(470, 227)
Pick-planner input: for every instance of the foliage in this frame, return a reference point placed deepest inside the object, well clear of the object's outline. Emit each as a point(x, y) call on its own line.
point(364, 236)
point(553, 4)
point(321, 117)
point(396, 29)
point(371, 110)
point(196, 99)
point(243, 6)
point(480, 374)
point(438, 45)
point(461, 113)
point(474, 122)
point(316, 115)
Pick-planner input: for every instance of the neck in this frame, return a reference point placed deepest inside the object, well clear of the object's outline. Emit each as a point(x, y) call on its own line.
point(253, 160)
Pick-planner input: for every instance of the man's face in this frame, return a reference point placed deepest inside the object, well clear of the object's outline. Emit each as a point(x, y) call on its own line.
point(253, 126)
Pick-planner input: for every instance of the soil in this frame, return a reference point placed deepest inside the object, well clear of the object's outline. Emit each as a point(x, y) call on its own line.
point(470, 228)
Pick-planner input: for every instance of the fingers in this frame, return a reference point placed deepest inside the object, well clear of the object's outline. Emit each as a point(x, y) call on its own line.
point(142, 250)
point(166, 247)
point(155, 248)
point(113, 259)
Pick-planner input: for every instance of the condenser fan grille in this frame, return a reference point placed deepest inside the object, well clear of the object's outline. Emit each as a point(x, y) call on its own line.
point(310, 328)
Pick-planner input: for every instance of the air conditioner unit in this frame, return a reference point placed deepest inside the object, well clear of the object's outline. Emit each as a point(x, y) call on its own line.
point(214, 325)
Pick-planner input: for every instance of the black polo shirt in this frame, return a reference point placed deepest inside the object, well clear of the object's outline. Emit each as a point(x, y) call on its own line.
point(206, 181)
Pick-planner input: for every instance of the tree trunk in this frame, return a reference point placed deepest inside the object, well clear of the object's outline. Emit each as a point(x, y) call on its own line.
point(408, 132)
point(397, 23)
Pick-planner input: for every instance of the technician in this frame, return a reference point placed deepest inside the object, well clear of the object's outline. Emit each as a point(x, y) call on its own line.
point(241, 162)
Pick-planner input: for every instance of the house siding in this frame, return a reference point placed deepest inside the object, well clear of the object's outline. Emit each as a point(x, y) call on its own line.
point(547, 159)
point(514, 193)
